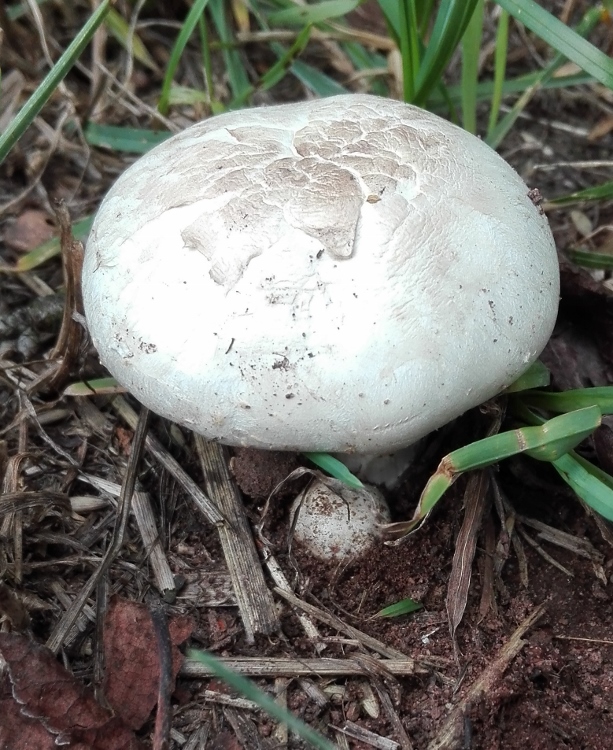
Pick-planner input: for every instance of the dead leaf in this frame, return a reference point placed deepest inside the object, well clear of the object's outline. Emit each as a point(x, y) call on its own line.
point(29, 230)
point(42, 700)
point(602, 128)
point(475, 503)
point(17, 730)
point(132, 661)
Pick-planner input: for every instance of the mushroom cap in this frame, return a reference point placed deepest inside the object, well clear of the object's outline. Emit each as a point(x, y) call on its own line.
point(334, 522)
point(345, 274)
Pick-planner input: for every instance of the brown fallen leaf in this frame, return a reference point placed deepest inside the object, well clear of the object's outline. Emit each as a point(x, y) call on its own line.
point(17, 730)
point(41, 700)
point(132, 661)
point(30, 229)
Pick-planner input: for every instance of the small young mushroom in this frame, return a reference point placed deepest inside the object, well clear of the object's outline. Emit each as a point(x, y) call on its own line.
point(335, 523)
point(341, 275)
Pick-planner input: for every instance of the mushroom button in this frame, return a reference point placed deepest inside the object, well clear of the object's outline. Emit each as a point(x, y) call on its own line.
point(340, 275)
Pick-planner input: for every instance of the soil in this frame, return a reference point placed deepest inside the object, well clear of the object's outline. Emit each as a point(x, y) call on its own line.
point(554, 691)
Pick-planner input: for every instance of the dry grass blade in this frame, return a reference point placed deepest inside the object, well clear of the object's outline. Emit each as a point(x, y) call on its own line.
point(281, 581)
point(254, 599)
point(11, 528)
point(545, 555)
point(4, 460)
point(575, 544)
point(198, 739)
point(86, 615)
point(145, 520)
point(65, 353)
point(475, 504)
point(449, 733)
point(281, 731)
point(11, 502)
point(163, 716)
point(203, 503)
point(245, 730)
point(401, 735)
point(335, 622)
point(356, 732)
point(263, 667)
point(488, 596)
point(223, 699)
point(123, 513)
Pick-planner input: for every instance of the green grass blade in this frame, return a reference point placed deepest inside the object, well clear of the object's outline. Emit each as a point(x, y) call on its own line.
point(130, 140)
point(20, 9)
point(552, 438)
point(96, 387)
point(187, 30)
point(120, 29)
point(316, 81)
point(335, 468)
point(237, 75)
point(500, 67)
point(471, 48)
point(246, 688)
point(391, 13)
point(536, 376)
point(301, 15)
point(207, 65)
point(597, 193)
point(588, 259)
point(592, 484)
point(485, 89)
point(364, 60)
point(546, 442)
point(36, 102)
point(561, 434)
point(451, 21)
point(277, 71)
point(403, 607)
point(566, 401)
point(51, 248)
point(562, 38)
point(409, 48)
point(497, 134)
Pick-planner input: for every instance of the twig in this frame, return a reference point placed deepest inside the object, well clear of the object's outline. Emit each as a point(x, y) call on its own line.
point(163, 716)
point(452, 726)
point(153, 446)
point(123, 513)
point(401, 734)
point(253, 597)
point(262, 667)
point(65, 353)
point(335, 622)
point(145, 520)
point(278, 576)
point(357, 732)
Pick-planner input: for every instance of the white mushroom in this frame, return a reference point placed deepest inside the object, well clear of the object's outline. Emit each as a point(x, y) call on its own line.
point(336, 523)
point(341, 275)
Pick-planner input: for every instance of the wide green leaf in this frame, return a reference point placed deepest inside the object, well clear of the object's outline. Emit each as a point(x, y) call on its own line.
point(562, 38)
point(300, 15)
point(117, 138)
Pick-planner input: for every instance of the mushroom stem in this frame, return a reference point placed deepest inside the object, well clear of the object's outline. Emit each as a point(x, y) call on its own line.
point(383, 469)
